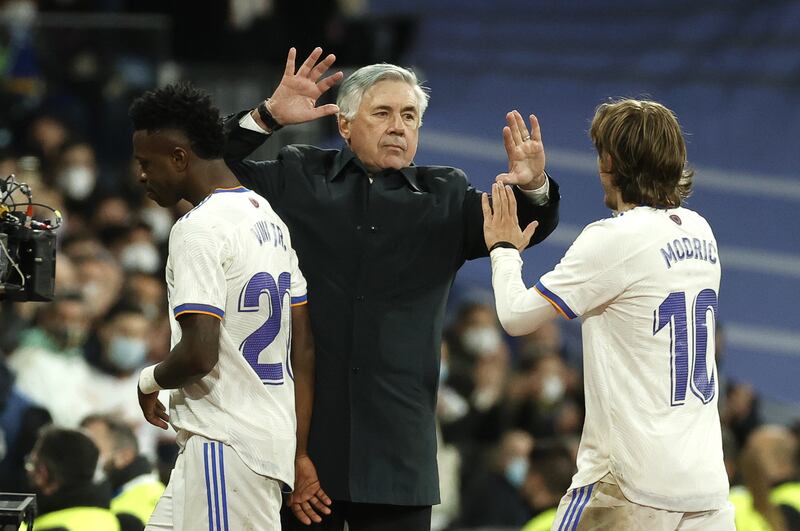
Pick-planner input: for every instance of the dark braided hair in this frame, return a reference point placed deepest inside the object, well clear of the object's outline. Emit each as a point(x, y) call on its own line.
point(183, 107)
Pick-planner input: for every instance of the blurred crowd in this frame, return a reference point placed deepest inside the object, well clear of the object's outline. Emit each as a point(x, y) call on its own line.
point(510, 412)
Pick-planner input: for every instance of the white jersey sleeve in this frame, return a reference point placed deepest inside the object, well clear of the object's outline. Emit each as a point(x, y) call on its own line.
point(198, 258)
point(590, 274)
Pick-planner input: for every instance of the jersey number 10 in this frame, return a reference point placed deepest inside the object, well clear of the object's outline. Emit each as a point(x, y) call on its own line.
point(672, 312)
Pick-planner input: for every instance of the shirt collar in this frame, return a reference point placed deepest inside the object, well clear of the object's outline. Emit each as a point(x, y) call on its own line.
point(346, 156)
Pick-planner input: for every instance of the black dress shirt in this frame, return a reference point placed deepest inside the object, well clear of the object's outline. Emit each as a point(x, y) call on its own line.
point(379, 259)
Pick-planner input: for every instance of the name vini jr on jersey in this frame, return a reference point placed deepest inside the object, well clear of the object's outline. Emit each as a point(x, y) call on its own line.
point(268, 232)
point(689, 249)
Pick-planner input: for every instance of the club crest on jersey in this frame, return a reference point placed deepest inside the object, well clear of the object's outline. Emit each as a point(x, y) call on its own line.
point(673, 217)
point(255, 203)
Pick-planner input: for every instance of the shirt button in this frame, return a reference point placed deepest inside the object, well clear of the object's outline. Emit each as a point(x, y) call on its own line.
point(360, 298)
point(355, 370)
point(358, 227)
point(372, 228)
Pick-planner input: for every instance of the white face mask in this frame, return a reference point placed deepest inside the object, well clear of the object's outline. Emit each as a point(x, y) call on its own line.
point(552, 389)
point(160, 222)
point(516, 470)
point(140, 256)
point(127, 353)
point(77, 182)
point(482, 341)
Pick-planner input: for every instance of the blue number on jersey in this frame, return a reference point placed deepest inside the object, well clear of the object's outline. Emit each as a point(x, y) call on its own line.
point(672, 311)
point(264, 335)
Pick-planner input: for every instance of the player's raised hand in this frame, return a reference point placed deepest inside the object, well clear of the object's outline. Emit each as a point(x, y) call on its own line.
point(308, 501)
point(500, 222)
point(295, 99)
point(154, 411)
point(525, 152)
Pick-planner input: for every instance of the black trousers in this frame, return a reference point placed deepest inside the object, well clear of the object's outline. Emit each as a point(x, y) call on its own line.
point(364, 517)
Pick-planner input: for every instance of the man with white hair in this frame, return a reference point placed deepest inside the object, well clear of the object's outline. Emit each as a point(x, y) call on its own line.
point(380, 241)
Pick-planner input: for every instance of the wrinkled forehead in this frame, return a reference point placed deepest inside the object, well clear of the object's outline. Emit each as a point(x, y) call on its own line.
point(391, 93)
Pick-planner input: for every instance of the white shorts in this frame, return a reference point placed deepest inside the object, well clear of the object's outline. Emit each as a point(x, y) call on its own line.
point(211, 488)
point(602, 505)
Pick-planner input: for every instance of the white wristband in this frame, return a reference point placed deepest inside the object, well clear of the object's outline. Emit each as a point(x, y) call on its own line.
point(147, 380)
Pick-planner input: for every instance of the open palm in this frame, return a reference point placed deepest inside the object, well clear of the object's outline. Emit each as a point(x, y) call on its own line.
point(294, 100)
point(526, 159)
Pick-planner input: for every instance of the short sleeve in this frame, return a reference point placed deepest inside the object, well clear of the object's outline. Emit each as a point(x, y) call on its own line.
point(299, 290)
point(592, 272)
point(197, 256)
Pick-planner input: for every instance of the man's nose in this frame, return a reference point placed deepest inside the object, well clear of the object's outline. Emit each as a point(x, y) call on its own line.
point(396, 124)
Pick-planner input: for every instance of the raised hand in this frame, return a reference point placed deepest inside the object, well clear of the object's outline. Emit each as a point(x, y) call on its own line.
point(525, 153)
point(295, 99)
point(308, 501)
point(500, 222)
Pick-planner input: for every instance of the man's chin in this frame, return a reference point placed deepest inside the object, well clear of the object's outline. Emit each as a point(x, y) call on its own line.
point(394, 163)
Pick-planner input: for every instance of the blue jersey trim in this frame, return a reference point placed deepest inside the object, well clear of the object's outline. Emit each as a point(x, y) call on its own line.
point(556, 301)
point(198, 308)
point(237, 190)
point(299, 300)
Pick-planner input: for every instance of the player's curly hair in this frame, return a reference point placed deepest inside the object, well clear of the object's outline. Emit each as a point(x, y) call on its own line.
point(183, 107)
point(647, 150)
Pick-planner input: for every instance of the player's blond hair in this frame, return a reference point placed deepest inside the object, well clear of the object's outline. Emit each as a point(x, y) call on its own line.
point(647, 151)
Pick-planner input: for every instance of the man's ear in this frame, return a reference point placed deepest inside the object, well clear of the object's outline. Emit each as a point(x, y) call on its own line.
point(344, 127)
point(606, 164)
point(180, 158)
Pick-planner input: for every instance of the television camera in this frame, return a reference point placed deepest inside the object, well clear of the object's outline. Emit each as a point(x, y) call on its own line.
point(27, 246)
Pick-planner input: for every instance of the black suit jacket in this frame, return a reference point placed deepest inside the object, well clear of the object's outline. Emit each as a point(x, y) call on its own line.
point(379, 259)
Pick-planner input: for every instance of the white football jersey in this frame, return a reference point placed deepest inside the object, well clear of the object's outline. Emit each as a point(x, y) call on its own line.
point(646, 285)
point(231, 257)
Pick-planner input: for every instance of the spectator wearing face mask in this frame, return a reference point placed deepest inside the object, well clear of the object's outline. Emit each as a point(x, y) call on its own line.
point(549, 476)
point(117, 351)
point(50, 356)
point(494, 498)
point(474, 335)
point(77, 173)
point(538, 398)
point(139, 252)
point(135, 486)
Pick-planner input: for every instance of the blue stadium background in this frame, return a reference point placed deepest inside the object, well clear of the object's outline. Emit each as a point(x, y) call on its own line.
point(731, 72)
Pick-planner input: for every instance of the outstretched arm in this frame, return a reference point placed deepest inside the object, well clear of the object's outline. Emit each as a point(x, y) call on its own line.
point(537, 194)
point(520, 310)
point(294, 100)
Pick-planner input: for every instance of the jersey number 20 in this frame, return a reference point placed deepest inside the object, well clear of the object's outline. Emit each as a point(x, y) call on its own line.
point(672, 311)
point(264, 335)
